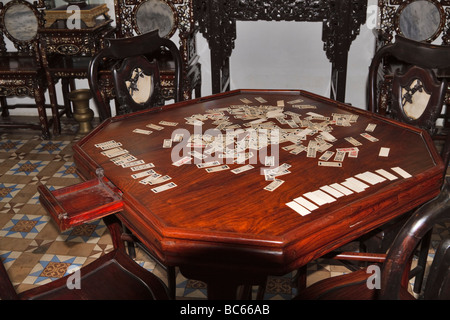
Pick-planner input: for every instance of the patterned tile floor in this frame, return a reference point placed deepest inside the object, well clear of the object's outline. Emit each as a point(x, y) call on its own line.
point(35, 252)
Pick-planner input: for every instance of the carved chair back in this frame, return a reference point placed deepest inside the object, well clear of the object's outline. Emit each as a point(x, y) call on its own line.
point(410, 52)
point(426, 21)
point(21, 72)
point(390, 96)
point(417, 98)
point(173, 18)
point(136, 81)
point(136, 76)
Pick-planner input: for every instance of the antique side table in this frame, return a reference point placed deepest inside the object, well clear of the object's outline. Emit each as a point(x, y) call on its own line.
point(66, 53)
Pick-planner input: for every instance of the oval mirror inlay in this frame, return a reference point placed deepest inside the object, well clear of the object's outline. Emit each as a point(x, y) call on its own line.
point(420, 20)
point(21, 22)
point(155, 14)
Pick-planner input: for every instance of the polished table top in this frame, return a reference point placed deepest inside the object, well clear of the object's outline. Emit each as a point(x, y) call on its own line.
point(230, 220)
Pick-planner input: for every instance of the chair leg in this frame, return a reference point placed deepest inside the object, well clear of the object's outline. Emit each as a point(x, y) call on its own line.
point(40, 104)
point(261, 291)
point(67, 103)
point(422, 261)
point(54, 106)
point(129, 242)
point(171, 281)
point(4, 105)
point(300, 278)
point(198, 90)
point(170, 270)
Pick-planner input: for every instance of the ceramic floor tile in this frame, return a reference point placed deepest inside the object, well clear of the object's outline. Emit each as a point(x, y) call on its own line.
point(87, 233)
point(28, 167)
point(50, 147)
point(11, 145)
point(52, 267)
point(9, 257)
point(67, 170)
point(9, 190)
point(24, 226)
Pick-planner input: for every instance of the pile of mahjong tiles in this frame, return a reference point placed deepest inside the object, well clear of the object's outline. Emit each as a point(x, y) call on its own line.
point(302, 130)
point(264, 128)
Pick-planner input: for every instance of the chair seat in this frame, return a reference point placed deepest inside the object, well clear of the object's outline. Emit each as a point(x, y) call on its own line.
point(351, 286)
point(126, 281)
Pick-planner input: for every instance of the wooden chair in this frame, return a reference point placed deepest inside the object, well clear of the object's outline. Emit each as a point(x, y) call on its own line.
point(432, 58)
point(404, 93)
point(413, 95)
point(136, 77)
point(424, 21)
point(136, 81)
point(395, 265)
point(114, 276)
point(136, 17)
point(21, 72)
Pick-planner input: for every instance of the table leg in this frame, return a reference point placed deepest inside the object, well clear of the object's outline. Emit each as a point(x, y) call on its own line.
point(223, 284)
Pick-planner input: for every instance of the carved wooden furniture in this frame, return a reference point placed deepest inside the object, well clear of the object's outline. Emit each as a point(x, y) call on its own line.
point(136, 83)
point(136, 77)
point(113, 276)
point(430, 57)
point(341, 23)
point(135, 17)
point(224, 228)
point(21, 73)
point(66, 52)
point(395, 264)
point(419, 20)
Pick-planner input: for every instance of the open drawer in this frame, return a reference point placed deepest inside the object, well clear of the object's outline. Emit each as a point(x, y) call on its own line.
point(83, 202)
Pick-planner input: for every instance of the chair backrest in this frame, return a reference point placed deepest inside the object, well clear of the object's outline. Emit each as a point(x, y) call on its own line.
point(422, 55)
point(417, 98)
point(19, 23)
point(390, 96)
point(398, 258)
point(134, 71)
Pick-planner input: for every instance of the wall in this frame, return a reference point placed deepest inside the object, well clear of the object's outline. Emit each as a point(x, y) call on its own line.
point(279, 55)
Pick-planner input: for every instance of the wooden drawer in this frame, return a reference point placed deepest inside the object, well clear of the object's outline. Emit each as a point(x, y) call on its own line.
point(80, 203)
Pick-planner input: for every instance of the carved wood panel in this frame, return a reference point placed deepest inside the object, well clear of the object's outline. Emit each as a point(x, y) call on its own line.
point(341, 24)
point(389, 16)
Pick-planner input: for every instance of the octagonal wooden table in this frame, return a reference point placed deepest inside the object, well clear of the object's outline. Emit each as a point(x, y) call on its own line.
point(226, 228)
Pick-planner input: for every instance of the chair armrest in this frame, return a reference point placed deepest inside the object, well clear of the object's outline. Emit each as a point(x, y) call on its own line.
point(360, 256)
